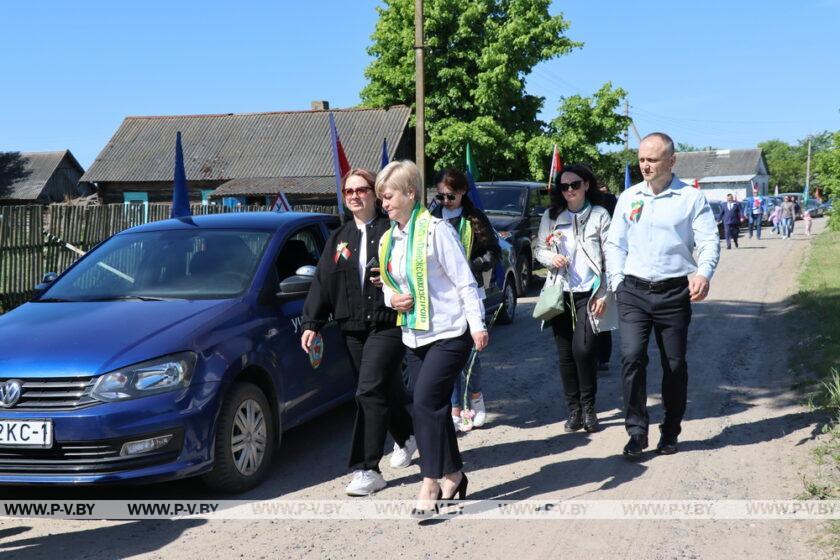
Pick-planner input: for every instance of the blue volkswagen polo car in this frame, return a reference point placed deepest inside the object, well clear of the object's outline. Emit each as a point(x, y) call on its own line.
point(170, 350)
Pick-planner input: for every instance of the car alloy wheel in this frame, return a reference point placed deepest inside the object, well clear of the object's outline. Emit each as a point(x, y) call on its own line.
point(248, 439)
point(244, 441)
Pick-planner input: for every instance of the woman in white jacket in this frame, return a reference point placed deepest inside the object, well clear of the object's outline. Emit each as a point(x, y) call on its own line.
point(570, 244)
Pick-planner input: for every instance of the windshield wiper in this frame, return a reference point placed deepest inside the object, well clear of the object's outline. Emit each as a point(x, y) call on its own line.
point(53, 300)
point(133, 298)
point(504, 212)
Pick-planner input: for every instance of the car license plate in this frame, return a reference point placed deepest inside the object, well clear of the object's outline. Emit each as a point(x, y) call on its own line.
point(26, 433)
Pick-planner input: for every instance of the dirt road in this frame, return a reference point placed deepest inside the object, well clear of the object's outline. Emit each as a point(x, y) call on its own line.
point(746, 436)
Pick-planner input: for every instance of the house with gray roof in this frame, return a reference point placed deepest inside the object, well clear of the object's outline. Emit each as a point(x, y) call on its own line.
point(39, 177)
point(722, 172)
point(247, 157)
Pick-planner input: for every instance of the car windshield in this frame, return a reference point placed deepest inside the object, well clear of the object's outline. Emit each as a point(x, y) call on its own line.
point(156, 265)
point(502, 200)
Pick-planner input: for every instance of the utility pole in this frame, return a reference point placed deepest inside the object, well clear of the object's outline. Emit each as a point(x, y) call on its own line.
point(420, 98)
point(808, 172)
point(627, 132)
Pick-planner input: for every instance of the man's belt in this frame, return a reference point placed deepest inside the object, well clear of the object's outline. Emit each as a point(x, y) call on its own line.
point(658, 286)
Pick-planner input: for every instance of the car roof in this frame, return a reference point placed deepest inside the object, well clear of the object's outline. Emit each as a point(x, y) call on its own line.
point(267, 221)
point(529, 184)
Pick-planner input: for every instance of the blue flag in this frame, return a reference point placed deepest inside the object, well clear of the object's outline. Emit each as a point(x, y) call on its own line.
point(626, 176)
point(180, 196)
point(384, 153)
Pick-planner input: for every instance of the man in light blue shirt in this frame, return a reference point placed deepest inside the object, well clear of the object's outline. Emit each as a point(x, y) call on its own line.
point(656, 227)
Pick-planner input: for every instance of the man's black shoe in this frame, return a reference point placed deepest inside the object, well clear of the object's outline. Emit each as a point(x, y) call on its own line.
point(590, 419)
point(575, 421)
point(634, 447)
point(667, 445)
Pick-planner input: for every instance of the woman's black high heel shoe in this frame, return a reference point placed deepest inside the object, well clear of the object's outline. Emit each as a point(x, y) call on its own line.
point(460, 490)
point(417, 513)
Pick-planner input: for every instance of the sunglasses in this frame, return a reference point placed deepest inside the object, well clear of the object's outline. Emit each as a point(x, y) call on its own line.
point(359, 191)
point(574, 185)
point(449, 197)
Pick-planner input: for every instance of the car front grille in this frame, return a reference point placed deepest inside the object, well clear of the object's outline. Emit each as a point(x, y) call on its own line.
point(61, 393)
point(92, 457)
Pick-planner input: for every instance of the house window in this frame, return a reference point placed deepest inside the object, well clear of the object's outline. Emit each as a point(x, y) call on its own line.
point(205, 196)
point(131, 198)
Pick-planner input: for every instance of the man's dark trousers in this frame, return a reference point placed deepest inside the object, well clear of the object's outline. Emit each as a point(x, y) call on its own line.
point(730, 231)
point(666, 310)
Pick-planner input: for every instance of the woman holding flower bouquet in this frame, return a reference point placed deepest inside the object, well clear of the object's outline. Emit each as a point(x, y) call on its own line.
point(483, 253)
point(570, 244)
point(427, 280)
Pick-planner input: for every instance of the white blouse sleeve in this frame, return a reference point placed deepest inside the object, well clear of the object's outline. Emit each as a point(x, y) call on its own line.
point(450, 255)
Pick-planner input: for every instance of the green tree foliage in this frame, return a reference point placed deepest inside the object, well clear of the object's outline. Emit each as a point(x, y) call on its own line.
point(478, 55)
point(684, 147)
point(826, 167)
point(787, 163)
point(582, 128)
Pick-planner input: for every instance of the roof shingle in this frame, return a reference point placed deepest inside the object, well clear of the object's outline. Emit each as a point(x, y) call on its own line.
point(39, 167)
point(717, 163)
point(225, 147)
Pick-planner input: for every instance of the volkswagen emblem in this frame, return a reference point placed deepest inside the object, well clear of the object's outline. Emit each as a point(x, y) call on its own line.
point(9, 393)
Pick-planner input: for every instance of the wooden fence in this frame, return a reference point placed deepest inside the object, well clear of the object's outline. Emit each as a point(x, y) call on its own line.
point(28, 245)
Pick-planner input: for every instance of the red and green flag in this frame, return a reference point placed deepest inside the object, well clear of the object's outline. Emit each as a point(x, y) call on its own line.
point(556, 169)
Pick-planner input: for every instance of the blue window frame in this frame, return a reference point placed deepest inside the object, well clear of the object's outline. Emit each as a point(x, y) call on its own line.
point(135, 197)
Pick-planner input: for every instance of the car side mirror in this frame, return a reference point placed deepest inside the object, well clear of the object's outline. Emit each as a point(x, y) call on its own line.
point(297, 285)
point(48, 279)
point(537, 212)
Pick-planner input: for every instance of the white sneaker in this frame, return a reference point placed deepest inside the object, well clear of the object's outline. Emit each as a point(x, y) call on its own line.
point(480, 413)
point(401, 457)
point(365, 483)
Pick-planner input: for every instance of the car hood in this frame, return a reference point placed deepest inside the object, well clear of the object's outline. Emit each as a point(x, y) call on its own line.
point(89, 338)
point(502, 222)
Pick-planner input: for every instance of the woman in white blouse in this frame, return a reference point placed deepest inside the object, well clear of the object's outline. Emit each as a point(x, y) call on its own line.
point(427, 279)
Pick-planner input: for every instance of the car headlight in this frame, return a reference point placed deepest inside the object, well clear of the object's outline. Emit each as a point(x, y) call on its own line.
point(505, 235)
point(168, 373)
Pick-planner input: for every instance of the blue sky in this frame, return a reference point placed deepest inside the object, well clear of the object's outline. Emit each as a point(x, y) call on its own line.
point(727, 74)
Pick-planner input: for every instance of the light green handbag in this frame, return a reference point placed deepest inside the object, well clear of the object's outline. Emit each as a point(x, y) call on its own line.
point(550, 303)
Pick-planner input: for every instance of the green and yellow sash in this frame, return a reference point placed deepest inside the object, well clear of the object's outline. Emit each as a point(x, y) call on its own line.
point(466, 235)
point(416, 268)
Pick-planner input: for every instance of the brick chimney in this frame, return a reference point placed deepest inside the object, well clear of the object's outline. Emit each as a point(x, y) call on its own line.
point(320, 105)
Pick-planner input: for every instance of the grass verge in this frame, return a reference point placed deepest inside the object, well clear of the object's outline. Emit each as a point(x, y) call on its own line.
point(818, 354)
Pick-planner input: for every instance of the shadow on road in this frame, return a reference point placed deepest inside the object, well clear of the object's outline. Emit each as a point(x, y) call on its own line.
point(114, 541)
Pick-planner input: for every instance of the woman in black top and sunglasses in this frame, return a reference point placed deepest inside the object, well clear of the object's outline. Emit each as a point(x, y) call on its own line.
point(347, 287)
point(570, 243)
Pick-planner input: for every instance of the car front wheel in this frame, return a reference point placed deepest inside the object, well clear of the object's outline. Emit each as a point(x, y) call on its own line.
point(508, 312)
point(244, 440)
point(523, 274)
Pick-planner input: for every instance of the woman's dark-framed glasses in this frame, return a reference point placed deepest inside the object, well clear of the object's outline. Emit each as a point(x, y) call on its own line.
point(574, 185)
point(358, 190)
point(450, 197)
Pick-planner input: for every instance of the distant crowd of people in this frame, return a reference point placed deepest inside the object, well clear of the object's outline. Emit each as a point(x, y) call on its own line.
point(405, 284)
point(782, 217)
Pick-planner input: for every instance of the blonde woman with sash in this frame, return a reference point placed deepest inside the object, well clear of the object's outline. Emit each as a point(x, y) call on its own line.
point(427, 280)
